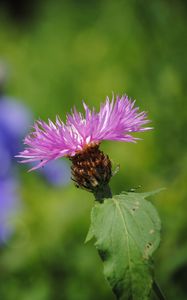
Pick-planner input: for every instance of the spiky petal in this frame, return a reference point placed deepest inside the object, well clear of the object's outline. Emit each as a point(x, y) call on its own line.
point(116, 120)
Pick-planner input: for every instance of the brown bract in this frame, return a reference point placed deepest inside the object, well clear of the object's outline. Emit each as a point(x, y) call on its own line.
point(91, 168)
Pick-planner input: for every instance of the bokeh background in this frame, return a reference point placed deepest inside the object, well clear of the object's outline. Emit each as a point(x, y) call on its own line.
point(57, 53)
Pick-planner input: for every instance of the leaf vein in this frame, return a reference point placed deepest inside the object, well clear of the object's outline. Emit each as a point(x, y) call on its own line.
point(127, 240)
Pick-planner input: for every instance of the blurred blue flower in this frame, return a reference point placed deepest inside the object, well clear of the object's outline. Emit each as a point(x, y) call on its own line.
point(5, 159)
point(56, 172)
point(9, 206)
point(15, 121)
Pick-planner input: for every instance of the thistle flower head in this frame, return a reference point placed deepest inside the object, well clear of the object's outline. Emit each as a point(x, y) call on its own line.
point(116, 120)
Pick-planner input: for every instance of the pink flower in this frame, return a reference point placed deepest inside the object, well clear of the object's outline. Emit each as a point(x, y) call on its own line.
point(116, 120)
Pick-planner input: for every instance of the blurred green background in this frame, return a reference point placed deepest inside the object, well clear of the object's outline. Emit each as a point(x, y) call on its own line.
point(61, 52)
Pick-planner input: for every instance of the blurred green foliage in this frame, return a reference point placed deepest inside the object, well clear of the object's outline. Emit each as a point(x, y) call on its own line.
point(74, 50)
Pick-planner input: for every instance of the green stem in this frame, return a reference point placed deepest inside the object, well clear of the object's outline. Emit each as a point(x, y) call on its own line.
point(103, 193)
point(158, 291)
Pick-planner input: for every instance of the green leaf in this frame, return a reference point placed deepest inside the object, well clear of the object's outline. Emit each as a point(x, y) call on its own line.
point(127, 232)
point(90, 234)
